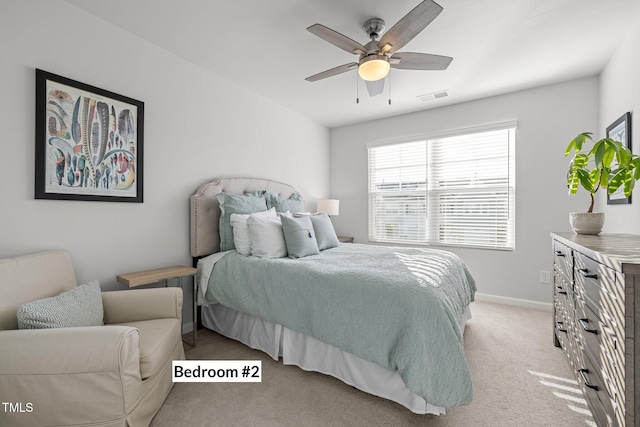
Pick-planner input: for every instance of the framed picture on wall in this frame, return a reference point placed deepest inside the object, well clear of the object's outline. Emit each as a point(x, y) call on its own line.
point(89, 142)
point(620, 130)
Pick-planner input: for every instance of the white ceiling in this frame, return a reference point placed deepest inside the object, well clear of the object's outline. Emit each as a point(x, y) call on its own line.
point(498, 46)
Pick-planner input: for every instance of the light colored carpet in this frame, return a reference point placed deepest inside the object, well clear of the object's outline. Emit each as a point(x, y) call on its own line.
point(519, 379)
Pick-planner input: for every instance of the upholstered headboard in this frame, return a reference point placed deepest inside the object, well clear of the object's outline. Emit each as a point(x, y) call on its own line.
point(205, 209)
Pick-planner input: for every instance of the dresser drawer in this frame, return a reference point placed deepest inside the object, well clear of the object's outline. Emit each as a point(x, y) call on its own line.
point(577, 355)
point(597, 333)
point(561, 285)
point(561, 325)
point(565, 329)
point(602, 344)
point(561, 296)
point(596, 393)
point(600, 287)
point(563, 260)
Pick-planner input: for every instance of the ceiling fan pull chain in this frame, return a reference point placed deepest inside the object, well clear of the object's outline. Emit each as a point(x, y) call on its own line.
point(357, 90)
point(389, 88)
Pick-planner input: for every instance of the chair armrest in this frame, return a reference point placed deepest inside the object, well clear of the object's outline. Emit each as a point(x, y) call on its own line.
point(70, 375)
point(67, 350)
point(142, 304)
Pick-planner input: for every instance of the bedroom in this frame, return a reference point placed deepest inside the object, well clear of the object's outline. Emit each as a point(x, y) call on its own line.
point(197, 121)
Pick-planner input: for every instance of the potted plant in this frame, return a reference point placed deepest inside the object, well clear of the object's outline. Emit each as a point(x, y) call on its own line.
point(596, 169)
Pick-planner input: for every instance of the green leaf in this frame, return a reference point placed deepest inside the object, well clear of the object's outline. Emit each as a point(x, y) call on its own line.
point(616, 180)
point(573, 182)
point(624, 155)
point(628, 186)
point(570, 147)
point(585, 180)
point(577, 143)
point(608, 156)
point(604, 177)
point(635, 165)
point(599, 149)
point(580, 160)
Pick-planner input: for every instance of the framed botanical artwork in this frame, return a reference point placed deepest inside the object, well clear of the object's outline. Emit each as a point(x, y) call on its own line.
point(620, 130)
point(89, 142)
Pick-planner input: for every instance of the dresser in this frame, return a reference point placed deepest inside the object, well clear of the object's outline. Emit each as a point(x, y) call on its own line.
point(597, 321)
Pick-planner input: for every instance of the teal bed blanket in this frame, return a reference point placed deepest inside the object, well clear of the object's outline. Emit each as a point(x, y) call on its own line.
point(397, 307)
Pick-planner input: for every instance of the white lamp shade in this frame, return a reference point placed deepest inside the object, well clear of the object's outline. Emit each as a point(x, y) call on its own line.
point(328, 206)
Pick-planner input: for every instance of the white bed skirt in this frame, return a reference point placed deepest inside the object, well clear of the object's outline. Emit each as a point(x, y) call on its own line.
point(313, 355)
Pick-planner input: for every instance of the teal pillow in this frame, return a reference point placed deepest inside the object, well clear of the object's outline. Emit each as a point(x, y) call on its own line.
point(293, 204)
point(236, 204)
point(81, 306)
point(299, 236)
point(325, 233)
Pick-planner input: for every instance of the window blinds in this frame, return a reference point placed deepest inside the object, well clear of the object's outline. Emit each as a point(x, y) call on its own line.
point(457, 191)
point(397, 192)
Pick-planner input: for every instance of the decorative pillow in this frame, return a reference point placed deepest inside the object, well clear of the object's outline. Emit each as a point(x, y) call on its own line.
point(80, 306)
point(267, 240)
point(292, 204)
point(299, 236)
point(240, 204)
point(325, 233)
point(241, 238)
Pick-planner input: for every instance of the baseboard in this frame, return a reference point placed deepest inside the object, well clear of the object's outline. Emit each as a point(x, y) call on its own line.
point(536, 305)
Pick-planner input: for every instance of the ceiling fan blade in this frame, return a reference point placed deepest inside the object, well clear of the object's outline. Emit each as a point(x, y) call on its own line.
point(332, 72)
point(375, 88)
point(337, 39)
point(410, 25)
point(419, 61)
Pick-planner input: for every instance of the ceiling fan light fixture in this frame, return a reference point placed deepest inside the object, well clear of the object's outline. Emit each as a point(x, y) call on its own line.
point(374, 67)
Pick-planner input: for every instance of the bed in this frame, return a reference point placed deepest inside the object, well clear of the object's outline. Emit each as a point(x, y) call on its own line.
point(357, 326)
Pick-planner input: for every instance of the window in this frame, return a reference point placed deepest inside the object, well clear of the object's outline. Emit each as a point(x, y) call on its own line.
point(397, 192)
point(455, 190)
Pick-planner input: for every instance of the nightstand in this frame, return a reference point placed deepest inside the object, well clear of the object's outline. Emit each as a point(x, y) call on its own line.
point(164, 275)
point(345, 239)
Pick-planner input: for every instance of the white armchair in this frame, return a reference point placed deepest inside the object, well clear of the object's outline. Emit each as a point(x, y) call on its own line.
point(118, 374)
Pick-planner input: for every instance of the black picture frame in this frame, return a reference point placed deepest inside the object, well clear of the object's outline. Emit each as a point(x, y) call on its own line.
point(620, 130)
point(89, 142)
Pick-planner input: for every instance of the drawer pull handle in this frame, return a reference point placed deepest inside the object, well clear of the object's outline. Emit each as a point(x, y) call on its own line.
point(559, 327)
point(559, 253)
point(585, 326)
point(560, 290)
point(584, 373)
point(585, 273)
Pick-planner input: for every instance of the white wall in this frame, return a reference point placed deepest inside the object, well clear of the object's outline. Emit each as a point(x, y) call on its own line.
point(619, 93)
point(548, 118)
point(197, 126)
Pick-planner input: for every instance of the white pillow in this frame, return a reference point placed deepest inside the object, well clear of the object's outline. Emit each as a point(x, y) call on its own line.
point(267, 238)
point(241, 238)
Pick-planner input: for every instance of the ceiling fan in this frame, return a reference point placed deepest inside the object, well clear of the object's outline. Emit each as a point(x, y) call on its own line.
point(378, 56)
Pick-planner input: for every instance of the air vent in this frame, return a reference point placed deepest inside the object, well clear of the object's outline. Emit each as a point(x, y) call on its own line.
point(434, 95)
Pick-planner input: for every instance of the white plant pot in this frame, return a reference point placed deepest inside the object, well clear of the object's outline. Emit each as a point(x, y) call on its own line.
point(586, 223)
